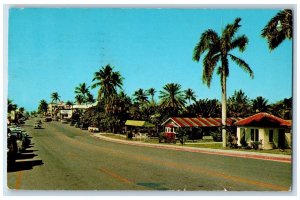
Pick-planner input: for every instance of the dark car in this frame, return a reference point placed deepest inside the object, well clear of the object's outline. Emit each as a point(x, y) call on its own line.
point(48, 119)
point(22, 139)
point(25, 139)
point(37, 125)
point(12, 148)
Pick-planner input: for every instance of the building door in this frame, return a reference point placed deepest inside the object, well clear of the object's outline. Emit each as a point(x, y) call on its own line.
point(281, 138)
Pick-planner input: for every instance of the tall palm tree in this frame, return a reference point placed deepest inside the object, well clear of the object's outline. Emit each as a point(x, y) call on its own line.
point(204, 108)
point(140, 96)
point(172, 97)
point(279, 28)
point(43, 107)
point(283, 108)
point(55, 97)
point(108, 81)
point(218, 49)
point(83, 90)
point(239, 104)
point(151, 92)
point(189, 95)
point(90, 98)
point(79, 99)
point(260, 104)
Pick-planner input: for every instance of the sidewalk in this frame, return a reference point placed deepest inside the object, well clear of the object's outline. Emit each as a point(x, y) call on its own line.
point(233, 153)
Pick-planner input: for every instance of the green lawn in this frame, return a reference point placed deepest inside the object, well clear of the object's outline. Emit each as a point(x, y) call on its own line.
point(200, 144)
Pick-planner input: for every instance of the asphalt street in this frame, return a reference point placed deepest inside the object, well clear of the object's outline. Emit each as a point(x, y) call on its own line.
point(63, 157)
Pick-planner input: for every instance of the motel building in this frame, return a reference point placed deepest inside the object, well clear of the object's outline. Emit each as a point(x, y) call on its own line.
point(203, 127)
point(266, 129)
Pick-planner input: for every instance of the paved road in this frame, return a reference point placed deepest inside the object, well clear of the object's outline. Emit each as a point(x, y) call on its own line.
point(66, 158)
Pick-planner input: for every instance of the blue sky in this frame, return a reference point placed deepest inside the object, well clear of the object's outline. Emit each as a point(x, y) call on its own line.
point(53, 50)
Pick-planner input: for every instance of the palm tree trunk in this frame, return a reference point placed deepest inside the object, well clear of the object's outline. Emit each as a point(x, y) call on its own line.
point(224, 136)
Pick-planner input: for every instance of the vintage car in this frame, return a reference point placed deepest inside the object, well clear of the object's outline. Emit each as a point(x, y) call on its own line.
point(48, 119)
point(12, 148)
point(22, 139)
point(37, 125)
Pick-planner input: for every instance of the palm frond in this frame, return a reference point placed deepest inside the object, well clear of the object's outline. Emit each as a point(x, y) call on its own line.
point(242, 64)
point(209, 63)
point(240, 42)
point(274, 35)
point(231, 29)
point(207, 38)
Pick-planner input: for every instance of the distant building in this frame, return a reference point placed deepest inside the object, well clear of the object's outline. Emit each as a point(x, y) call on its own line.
point(62, 110)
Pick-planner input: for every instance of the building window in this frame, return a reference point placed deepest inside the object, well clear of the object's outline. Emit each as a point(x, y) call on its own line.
point(254, 135)
point(271, 133)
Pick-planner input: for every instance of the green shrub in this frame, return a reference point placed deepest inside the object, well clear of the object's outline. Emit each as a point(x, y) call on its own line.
point(217, 136)
point(182, 135)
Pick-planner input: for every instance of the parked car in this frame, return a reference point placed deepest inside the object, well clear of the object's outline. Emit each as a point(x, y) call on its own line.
point(48, 119)
point(21, 121)
point(26, 140)
point(19, 143)
point(12, 148)
point(37, 125)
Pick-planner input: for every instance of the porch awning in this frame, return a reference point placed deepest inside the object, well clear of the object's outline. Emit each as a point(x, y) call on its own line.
point(138, 123)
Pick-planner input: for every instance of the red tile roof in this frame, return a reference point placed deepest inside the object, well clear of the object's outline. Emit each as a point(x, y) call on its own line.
point(263, 119)
point(199, 122)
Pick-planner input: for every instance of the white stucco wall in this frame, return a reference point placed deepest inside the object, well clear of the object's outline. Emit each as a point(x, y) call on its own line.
point(263, 134)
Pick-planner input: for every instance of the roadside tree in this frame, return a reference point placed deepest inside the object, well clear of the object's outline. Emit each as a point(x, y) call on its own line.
point(204, 108)
point(218, 49)
point(43, 107)
point(82, 90)
point(239, 105)
point(189, 95)
point(171, 100)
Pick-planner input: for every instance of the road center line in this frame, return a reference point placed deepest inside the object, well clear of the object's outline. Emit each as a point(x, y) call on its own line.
point(115, 175)
point(18, 180)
